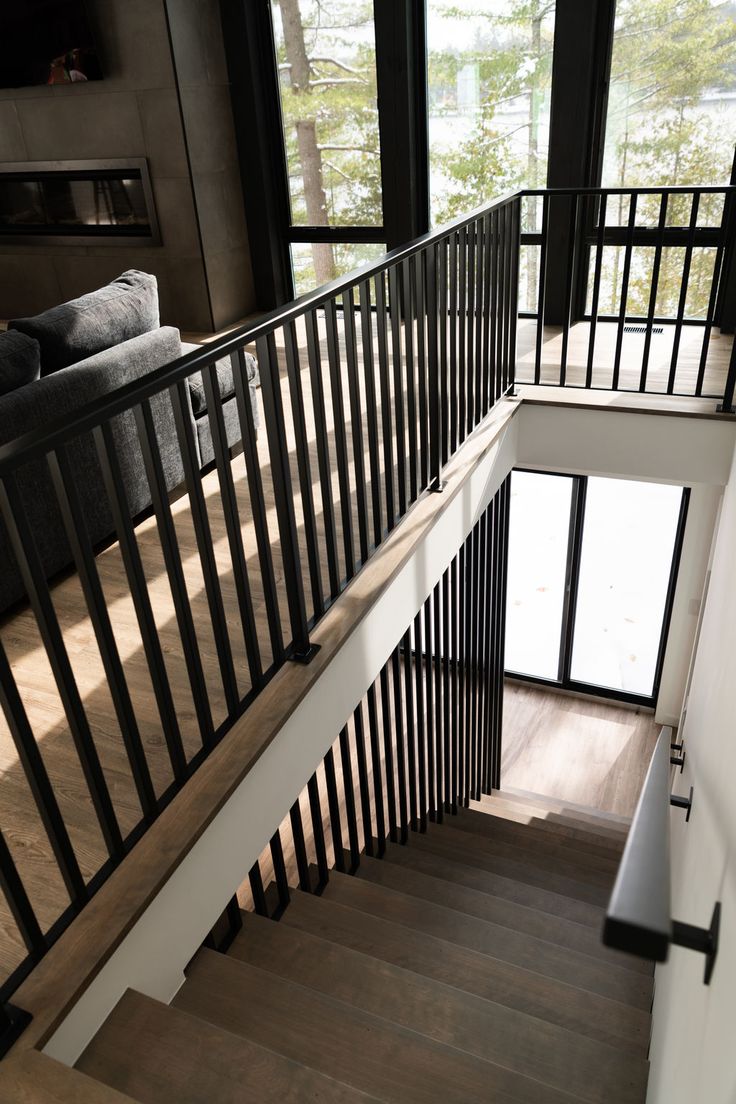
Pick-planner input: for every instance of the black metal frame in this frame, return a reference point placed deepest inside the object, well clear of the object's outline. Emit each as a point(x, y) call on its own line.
point(564, 681)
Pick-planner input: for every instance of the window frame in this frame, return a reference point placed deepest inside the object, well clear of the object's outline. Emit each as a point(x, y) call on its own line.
point(564, 681)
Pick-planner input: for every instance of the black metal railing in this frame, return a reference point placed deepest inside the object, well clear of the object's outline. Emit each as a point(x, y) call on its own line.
point(368, 386)
point(639, 915)
point(424, 741)
point(603, 262)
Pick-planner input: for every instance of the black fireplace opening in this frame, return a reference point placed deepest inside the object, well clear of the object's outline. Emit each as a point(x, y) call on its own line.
point(75, 201)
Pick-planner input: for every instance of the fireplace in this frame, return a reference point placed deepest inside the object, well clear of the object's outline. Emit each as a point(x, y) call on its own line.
point(77, 202)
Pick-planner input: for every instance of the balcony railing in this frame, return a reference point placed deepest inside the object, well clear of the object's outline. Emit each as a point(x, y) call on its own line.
point(369, 386)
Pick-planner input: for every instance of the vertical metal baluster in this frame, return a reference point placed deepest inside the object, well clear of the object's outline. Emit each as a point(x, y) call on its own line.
point(571, 254)
point(460, 672)
point(428, 674)
point(420, 722)
point(156, 477)
point(304, 466)
point(482, 631)
point(300, 848)
point(596, 288)
point(386, 404)
point(73, 517)
point(624, 289)
point(486, 357)
point(477, 555)
point(420, 299)
point(444, 384)
point(682, 302)
point(256, 887)
point(356, 421)
point(366, 333)
point(712, 301)
point(115, 487)
point(363, 782)
point(349, 791)
point(283, 494)
point(394, 299)
point(491, 598)
point(378, 775)
point(20, 907)
point(653, 291)
point(388, 749)
point(503, 290)
point(542, 290)
point(233, 528)
point(32, 573)
point(408, 296)
point(334, 807)
point(433, 374)
point(462, 329)
point(503, 529)
point(479, 305)
point(448, 741)
point(453, 265)
point(39, 783)
point(318, 831)
point(411, 730)
point(468, 678)
point(470, 370)
point(323, 452)
point(400, 746)
point(514, 293)
point(279, 869)
point(440, 764)
point(205, 545)
point(341, 444)
point(500, 286)
point(257, 503)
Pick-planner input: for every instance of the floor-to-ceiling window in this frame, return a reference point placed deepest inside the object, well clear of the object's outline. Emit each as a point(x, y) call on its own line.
point(591, 569)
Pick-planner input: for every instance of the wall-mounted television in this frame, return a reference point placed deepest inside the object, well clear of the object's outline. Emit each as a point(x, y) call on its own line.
point(46, 42)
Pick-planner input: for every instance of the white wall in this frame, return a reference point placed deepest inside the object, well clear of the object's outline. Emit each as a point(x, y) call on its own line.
point(693, 1056)
point(692, 452)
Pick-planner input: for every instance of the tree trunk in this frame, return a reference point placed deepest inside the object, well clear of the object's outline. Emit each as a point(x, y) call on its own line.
point(315, 199)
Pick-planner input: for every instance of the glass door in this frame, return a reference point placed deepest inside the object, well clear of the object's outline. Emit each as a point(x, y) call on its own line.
point(591, 571)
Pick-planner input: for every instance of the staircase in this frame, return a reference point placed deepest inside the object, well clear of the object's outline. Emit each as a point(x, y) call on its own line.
point(466, 966)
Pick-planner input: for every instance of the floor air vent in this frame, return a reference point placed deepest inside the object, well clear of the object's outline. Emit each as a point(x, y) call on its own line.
point(643, 329)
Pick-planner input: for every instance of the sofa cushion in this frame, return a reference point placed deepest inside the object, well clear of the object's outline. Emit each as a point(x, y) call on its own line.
point(225, 382)
point(125, 308)
point(20, 361)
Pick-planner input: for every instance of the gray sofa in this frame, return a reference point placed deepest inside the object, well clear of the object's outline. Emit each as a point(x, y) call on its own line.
point(45, 350)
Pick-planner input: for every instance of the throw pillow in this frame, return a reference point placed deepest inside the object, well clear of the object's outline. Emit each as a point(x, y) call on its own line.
point(125, 308)
point(20, 361)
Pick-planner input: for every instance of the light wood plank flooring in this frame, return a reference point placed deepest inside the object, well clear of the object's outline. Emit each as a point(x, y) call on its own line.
point(575, 749)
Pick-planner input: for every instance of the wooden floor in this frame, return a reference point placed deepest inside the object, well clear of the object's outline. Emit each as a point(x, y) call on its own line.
point(660, 355)
point(18, 818)
point(575, 749)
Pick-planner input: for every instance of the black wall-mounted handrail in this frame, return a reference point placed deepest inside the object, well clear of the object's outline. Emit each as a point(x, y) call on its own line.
point(638, 918)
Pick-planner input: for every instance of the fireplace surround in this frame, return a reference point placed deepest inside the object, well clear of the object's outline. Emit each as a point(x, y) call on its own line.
point(77, 202)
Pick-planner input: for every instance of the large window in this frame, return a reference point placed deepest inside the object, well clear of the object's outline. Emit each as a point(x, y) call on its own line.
point(326, 53)
point(591, 568)
point(489, 76)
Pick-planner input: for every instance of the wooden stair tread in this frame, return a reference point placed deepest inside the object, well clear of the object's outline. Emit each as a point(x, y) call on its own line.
point(524, 865)
point(389, 1061)
point(590, 1070)
point(31, 1077)
point(587, 855)
point(586, 1013)
point(599, 837)
point(161, 1055)
point(513, 948)
point(431, 878)
point(470, 850)
point(596, 820)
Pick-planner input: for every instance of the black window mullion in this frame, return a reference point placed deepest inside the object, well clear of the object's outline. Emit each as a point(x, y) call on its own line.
point(572, 575)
